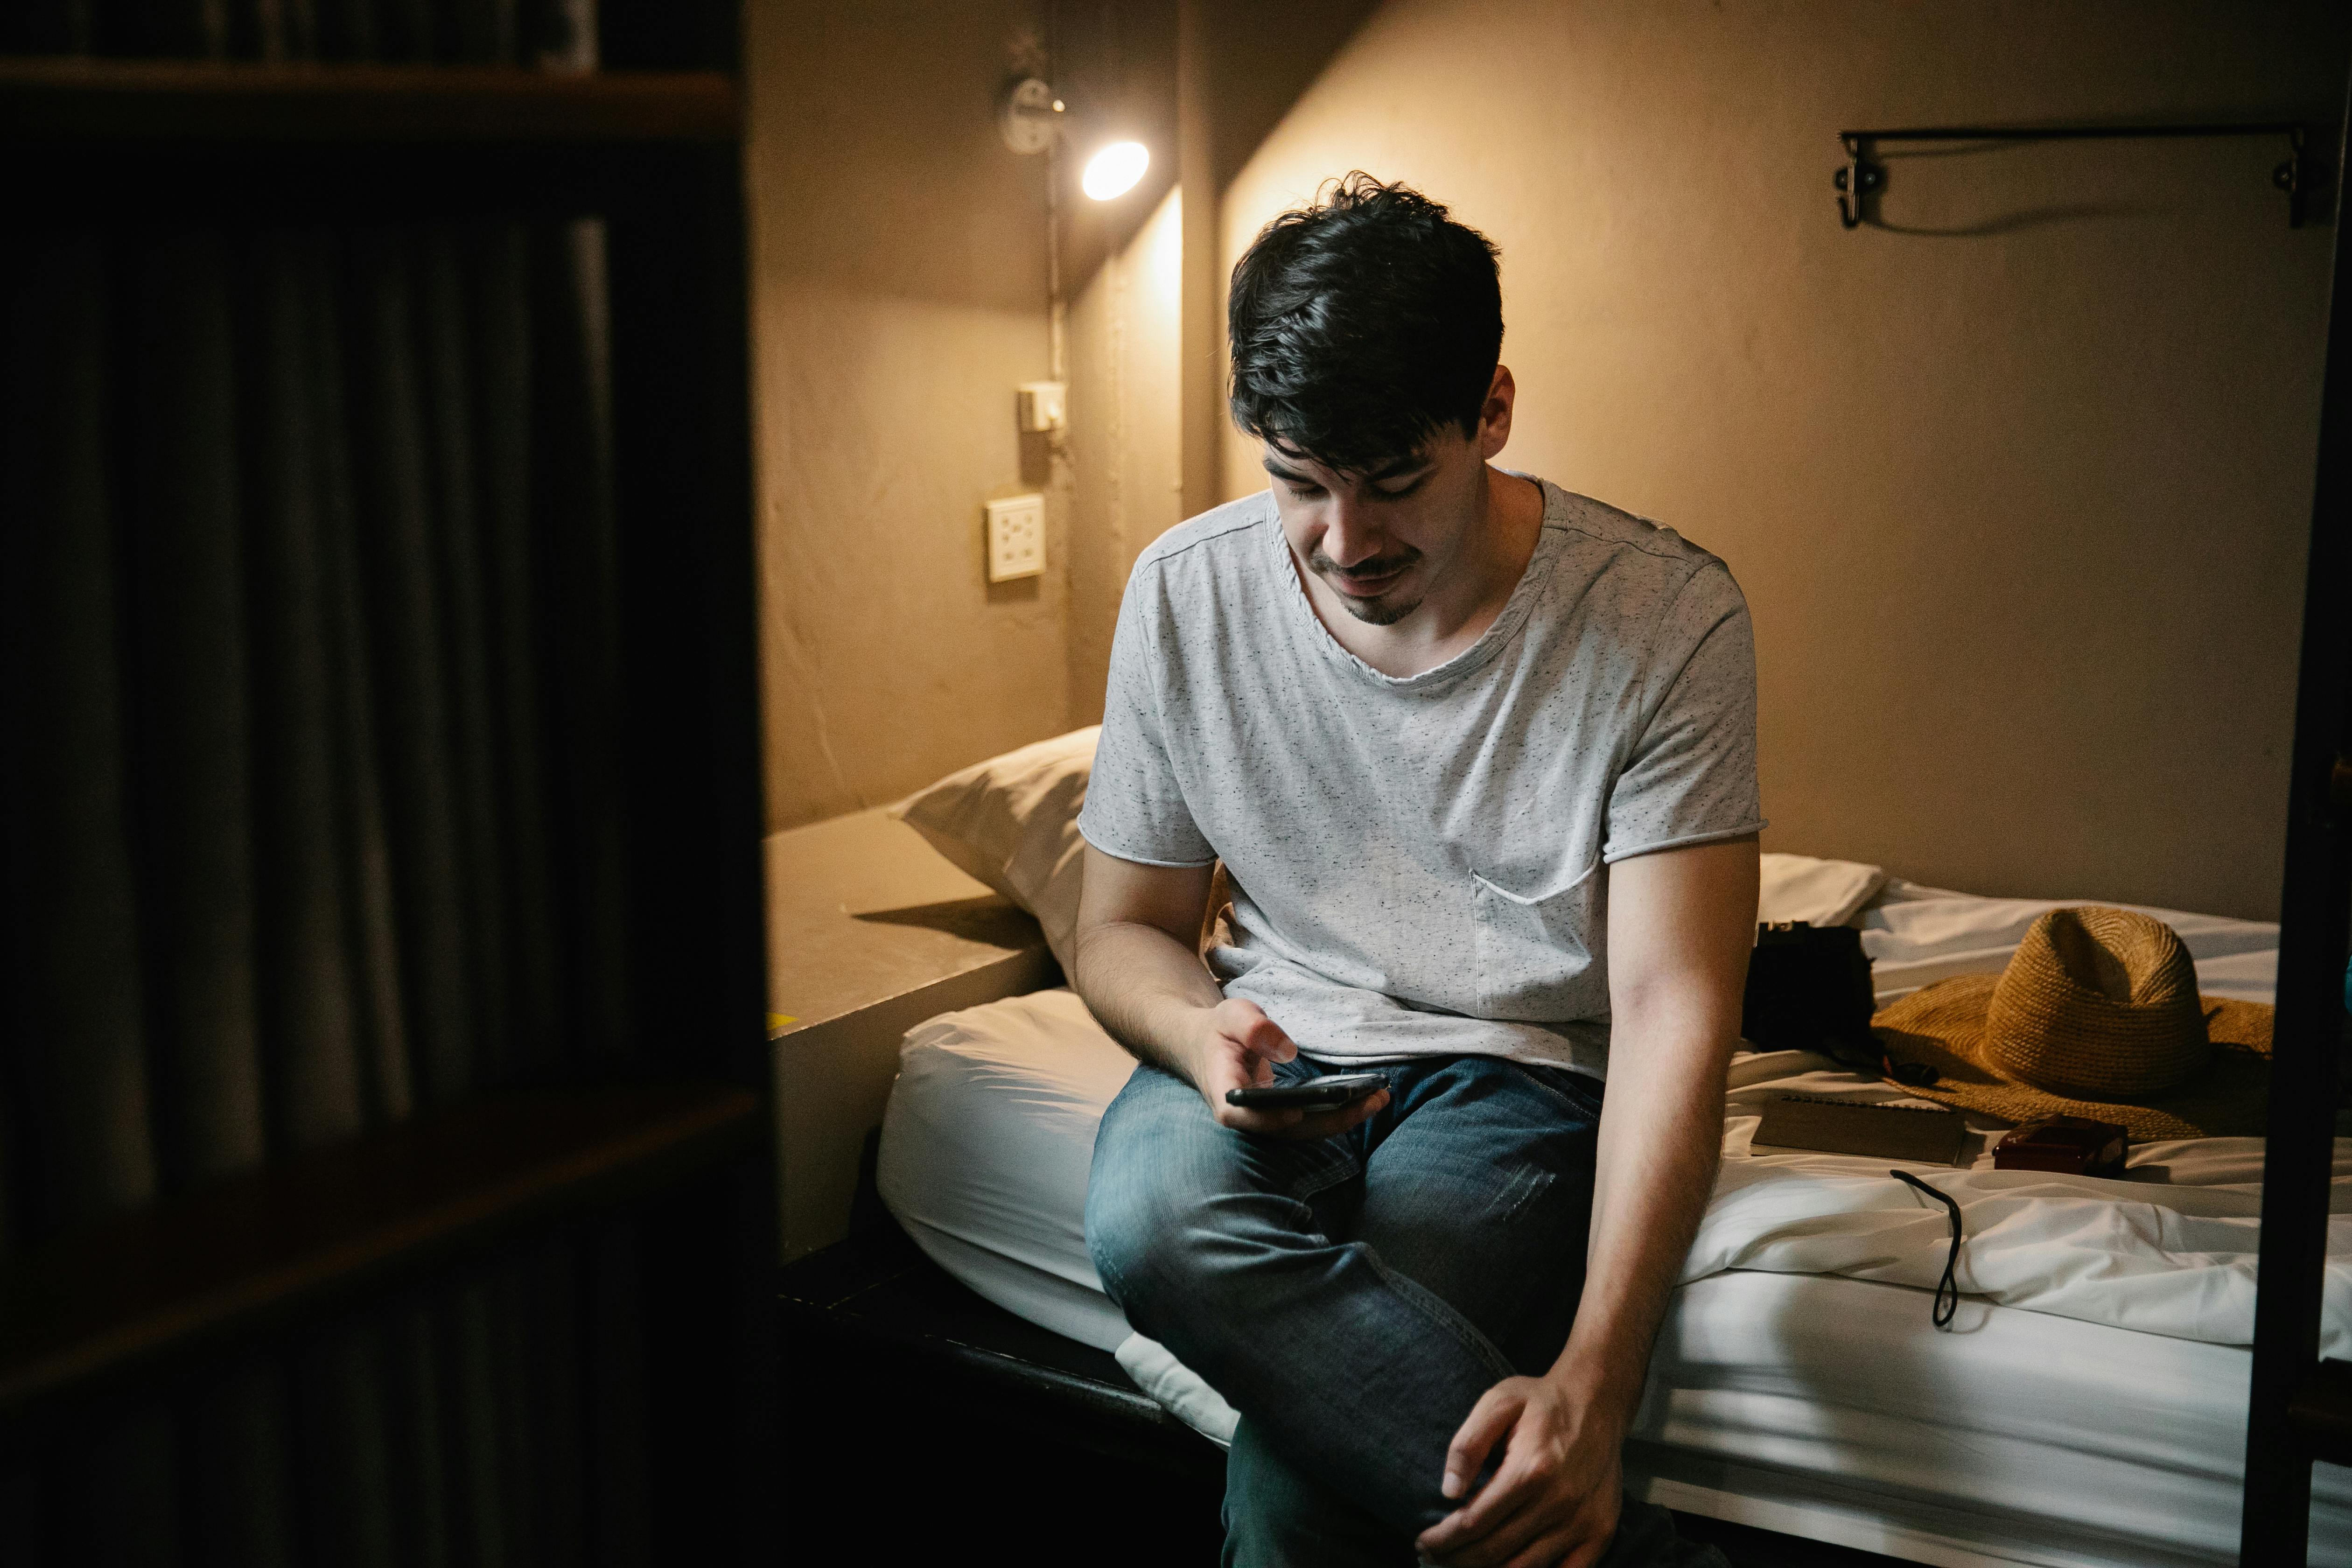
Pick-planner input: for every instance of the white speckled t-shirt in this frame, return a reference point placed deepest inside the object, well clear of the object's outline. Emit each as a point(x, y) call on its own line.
point(1418, 863)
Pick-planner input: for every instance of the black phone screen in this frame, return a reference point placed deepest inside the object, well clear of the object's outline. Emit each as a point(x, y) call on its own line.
point(1328, 1093)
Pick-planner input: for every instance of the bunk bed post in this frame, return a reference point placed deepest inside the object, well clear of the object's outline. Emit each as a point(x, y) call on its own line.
point(2300, 1406)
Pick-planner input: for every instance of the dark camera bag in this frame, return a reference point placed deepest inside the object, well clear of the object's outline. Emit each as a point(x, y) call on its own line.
point(1809, 990)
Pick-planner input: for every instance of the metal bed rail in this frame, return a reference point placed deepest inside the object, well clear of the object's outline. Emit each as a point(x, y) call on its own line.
point(2300, 1406)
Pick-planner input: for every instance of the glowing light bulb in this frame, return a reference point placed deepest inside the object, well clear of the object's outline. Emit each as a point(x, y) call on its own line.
point(1114, 171)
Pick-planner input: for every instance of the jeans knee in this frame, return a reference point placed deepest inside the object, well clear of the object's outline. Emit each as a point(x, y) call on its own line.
point(1187, 1222)
point(1136, 1237)
point(1137, 1218)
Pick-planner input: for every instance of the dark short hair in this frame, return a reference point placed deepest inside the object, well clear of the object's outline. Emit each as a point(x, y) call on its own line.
point(1362, 324)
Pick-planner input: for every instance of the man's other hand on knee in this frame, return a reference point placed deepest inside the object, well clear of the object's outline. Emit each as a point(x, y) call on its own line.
point(1553, 1498)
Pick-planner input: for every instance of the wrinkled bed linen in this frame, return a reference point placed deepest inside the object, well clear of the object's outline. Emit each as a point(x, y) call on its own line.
point(2169, 1248)
point(988, 1138)
point(1832, 1407)
point(2093, 1383)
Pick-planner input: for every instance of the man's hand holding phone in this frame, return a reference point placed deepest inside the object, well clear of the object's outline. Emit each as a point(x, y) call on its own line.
point(1237, 1050)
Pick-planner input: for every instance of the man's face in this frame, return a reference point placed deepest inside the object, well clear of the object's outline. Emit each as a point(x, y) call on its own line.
point(1382, 539)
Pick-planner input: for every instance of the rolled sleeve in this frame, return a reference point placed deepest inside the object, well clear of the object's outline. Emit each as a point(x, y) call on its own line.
point(1134, 805)
point(1691, 776)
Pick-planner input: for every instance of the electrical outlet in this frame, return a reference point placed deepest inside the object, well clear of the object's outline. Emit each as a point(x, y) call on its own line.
point(1016, 537)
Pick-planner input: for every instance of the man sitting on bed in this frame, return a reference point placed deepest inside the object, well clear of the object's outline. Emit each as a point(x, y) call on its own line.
point(1478, 755)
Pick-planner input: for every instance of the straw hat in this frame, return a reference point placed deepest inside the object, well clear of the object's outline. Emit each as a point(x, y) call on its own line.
point(2097, 1015)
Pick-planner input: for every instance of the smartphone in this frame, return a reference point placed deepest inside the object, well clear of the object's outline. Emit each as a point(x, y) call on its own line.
point(1327, 1093)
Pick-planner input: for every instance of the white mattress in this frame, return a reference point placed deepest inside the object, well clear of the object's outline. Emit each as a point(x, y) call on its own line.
point(985, 1147)
point(1824, 1406)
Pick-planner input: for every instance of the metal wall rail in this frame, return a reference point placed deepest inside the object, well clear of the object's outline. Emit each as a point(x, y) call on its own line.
point(2301, 1406)
point(1864, 176)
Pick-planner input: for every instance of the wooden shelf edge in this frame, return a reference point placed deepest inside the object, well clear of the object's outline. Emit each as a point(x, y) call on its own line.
point(77, 101)
point(602, 1151)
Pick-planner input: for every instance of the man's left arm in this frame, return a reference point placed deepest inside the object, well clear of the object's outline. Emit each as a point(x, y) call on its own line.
point(1681, 924)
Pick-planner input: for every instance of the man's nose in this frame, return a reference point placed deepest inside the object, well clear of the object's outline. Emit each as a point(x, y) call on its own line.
point(1349, 534)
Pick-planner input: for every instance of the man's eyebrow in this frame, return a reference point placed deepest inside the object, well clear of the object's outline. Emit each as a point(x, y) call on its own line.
point(1397, 468)
point(1394, 469)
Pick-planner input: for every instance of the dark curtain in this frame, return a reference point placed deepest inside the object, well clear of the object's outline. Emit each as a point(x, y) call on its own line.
point(485, 32)
point(309, 818)
point(309, 783)
point(310, 808)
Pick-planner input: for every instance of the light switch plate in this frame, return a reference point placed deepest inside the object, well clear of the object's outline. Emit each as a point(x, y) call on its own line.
point(1016, 538)
point(1044, 404)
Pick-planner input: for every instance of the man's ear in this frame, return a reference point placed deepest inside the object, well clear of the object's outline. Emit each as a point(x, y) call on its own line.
point(1495, 413)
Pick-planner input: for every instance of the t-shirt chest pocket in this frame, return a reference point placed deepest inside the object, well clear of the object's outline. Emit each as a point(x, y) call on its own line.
point(1537, 952)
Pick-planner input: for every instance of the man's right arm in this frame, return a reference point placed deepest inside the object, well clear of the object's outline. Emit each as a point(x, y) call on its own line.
point(1139, 972)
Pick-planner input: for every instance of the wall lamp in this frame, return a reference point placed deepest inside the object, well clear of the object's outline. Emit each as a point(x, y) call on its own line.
point(1032, 115)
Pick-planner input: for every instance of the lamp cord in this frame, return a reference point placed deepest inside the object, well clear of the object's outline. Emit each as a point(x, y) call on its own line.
point(1055, 315)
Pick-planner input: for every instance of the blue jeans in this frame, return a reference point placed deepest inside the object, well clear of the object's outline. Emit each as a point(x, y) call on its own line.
point(1353, 1298)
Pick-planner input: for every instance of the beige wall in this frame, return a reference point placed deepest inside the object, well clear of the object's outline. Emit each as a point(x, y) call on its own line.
point(1125, 330)
point(898, 287)
point(2016, 484)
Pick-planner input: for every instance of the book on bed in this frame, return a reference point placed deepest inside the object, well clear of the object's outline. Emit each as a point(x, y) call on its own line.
point(1928, 1134)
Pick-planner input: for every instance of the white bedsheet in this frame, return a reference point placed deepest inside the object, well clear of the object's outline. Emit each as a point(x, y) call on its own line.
point(2169, 1249)
point(2087, 1408)
point(2175, 1259)
point(1832, 1407)
point(985, 1146)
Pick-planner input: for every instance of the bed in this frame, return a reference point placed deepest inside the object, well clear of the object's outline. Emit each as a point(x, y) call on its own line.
point(2085, 1409)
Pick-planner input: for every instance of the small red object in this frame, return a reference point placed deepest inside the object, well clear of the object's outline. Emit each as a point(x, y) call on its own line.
point(2076, 1145)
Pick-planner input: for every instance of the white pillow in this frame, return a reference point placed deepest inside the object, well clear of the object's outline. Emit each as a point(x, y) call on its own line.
point(1012, 823)
point(1819, 893)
